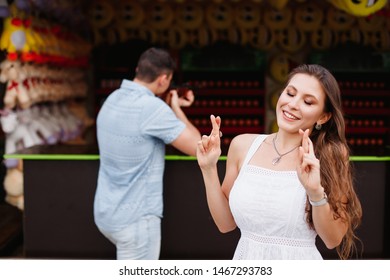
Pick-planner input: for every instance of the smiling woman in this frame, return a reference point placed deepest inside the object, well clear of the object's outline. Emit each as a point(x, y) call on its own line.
point(280, 206)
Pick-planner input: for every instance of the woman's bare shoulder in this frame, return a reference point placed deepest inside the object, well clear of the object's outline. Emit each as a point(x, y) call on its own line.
point(242, 142)
point(246, 138)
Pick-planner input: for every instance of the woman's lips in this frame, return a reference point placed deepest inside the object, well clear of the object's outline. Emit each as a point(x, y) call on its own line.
point(290, 116)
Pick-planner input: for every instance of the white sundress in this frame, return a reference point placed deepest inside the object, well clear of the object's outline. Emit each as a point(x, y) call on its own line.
point(269, 209)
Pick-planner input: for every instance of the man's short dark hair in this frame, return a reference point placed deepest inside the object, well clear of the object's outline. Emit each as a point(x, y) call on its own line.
point(154, 62)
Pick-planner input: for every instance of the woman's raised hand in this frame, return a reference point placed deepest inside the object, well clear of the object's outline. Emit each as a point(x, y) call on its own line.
point(208, 149)
point(309, 167)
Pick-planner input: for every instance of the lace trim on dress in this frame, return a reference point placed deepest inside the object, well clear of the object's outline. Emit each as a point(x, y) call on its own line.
point(278, 240)
point(264, 171)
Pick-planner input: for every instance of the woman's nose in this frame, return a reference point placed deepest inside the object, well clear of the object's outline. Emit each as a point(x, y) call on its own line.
point(293, 103)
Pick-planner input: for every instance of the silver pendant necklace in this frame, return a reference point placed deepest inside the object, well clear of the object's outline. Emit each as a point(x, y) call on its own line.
point(276, 160)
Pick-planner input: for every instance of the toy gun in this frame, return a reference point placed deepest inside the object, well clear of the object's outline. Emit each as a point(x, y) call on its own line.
point(182, 88)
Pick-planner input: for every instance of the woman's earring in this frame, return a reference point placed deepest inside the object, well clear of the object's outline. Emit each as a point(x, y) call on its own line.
point(318, 126)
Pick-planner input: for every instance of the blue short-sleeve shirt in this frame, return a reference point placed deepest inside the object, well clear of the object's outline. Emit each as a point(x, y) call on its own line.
point(133, 126)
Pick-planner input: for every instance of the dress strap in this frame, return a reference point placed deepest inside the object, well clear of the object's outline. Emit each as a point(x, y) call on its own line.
point(253, 148)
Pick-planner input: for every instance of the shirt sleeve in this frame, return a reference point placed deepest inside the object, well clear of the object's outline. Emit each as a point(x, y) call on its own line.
point(161, 122)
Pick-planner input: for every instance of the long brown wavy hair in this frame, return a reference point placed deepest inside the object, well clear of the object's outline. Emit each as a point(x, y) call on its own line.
point(331, 148)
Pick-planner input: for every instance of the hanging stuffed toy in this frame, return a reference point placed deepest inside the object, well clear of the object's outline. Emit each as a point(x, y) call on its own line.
point(4, 9)
point(17, 134)
point(361, 8)
point(14, 186)
point(278, 4)
point(16, 94)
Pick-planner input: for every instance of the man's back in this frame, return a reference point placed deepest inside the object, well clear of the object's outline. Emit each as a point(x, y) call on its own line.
point(133, 127)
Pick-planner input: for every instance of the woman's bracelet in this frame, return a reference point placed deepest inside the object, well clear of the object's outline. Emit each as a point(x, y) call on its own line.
point(320, 202)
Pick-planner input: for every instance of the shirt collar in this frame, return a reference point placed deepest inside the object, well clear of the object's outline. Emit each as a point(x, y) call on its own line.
point(130, 85)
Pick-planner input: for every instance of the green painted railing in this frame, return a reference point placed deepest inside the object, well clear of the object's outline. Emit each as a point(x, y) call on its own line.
point(167, 157)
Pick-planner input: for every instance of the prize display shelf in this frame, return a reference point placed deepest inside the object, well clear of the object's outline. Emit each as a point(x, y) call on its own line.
point(233, 89)
point(229, 81)
point(362, 75)
point(367, 112)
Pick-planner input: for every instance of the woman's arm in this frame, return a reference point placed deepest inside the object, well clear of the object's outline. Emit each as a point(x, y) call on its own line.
point(208, 153)
point(330, 229)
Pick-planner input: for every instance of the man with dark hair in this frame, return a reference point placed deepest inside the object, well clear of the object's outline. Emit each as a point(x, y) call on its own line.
point(133, 127)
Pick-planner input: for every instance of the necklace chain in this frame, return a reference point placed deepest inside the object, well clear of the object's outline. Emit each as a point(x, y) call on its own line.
point(279, 157)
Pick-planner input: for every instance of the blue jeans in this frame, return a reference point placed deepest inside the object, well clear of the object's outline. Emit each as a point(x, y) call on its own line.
point(139, 241)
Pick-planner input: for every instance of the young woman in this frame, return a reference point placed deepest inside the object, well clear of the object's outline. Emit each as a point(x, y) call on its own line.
point(284, 189)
